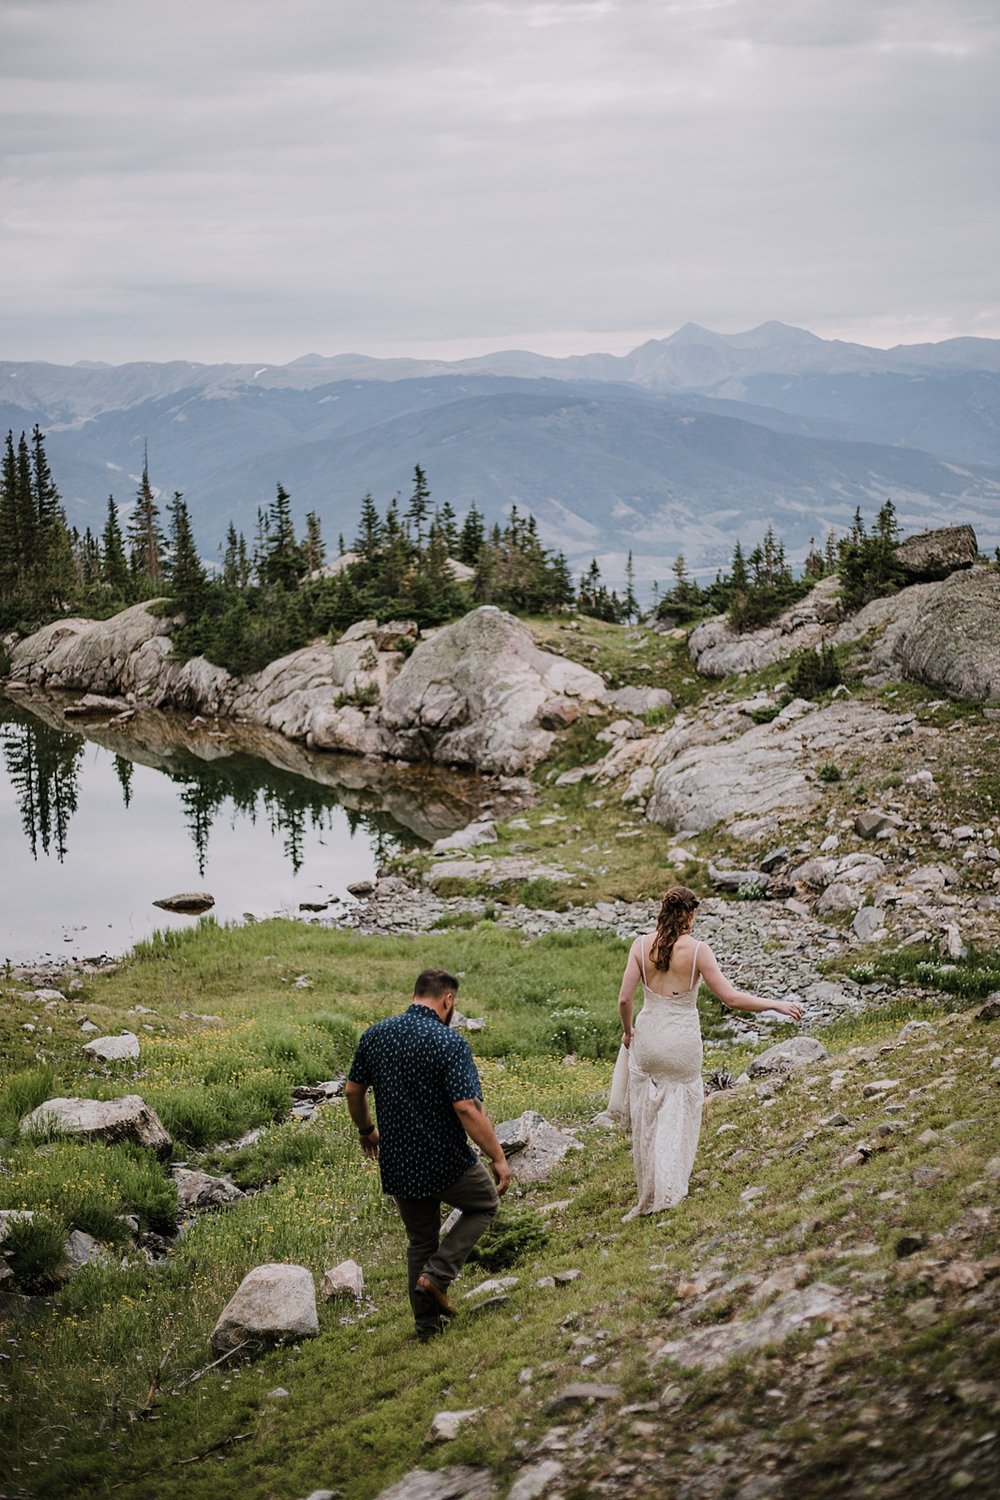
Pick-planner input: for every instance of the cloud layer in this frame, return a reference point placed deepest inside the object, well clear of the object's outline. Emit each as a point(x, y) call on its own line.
point(245, 179)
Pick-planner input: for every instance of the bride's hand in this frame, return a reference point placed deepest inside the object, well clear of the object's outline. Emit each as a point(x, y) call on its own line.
point(627, 1038)
point(790, 1009)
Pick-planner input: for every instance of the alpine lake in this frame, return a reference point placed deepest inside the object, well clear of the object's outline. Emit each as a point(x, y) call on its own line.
point(101, 817)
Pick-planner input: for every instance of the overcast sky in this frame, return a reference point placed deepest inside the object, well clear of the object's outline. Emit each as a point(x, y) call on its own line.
point(256, 179)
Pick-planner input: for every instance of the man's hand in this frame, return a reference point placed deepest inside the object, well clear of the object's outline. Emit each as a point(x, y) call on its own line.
point(369, 1145)
point(501, 1172)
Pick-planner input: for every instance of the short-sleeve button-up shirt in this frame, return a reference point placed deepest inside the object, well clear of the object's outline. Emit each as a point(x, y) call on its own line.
point(418, 1068)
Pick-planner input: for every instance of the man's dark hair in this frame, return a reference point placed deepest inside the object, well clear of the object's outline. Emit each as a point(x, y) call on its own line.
point(434, 983)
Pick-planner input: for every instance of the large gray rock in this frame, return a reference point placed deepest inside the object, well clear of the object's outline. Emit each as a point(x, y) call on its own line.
point(123, 1048)
point(478, 692)
point(273, 1303)
point(109, 1120)
point(707, 1348)
point(931, 555)
point(787, 1057)
point(533, 1147)
point(712, 768)
point(124, 654)
point(639, 700)
point(481, 693)
point(943, 634)
point(717, 650)
point(455, 1483)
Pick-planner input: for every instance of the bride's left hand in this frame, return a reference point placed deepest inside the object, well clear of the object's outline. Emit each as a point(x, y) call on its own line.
point(627, 1038)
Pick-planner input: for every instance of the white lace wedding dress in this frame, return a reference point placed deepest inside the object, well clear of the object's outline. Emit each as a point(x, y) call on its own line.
point(657, 1093)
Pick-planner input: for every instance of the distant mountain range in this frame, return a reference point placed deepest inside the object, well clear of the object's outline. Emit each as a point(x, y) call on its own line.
point(681, 446)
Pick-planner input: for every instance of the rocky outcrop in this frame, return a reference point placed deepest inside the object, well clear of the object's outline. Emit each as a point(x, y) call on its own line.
point(122, 1048)
point(533, 1147)
point(478, 692)
point(110, 1120)
point(717, 650)
point(708, 1348)
point(200, 1190)
point(946, 635)
point(712, 769)
point(943, 632)
point(932, 555)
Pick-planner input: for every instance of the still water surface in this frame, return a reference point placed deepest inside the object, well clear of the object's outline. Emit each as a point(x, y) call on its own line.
point(97, 823)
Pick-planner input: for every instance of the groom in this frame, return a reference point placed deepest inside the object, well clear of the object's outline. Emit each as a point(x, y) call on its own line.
point(428, 1100)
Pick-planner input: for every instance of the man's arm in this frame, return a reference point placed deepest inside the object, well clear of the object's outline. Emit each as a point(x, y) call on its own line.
point(357, 1104)
point(478, 1126)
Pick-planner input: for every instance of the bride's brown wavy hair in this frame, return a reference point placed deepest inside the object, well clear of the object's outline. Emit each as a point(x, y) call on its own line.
point(678, 908)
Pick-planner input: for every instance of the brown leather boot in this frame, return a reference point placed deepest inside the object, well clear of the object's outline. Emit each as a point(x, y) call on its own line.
point(425, 1284)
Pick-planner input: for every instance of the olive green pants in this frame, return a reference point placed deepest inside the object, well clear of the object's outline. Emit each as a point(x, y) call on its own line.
point(441, 1259)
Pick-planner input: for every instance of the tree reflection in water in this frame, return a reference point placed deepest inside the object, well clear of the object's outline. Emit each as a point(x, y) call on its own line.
point(290, 803)
point(43, 766)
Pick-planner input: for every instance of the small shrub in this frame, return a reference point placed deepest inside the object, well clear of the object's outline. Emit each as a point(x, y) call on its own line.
point(815, 672)
point(654, 717)
point(365, 696)
point(766, 714)
point(35, 1251)
point(513, 1236)
point(751, 890)
point(539, 892)
point(830, 772)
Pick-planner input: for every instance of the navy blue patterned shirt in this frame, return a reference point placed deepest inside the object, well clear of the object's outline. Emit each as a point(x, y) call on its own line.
point(418, 1068)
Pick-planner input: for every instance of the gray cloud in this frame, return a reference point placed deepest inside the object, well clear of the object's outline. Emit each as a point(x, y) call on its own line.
point(248, 179)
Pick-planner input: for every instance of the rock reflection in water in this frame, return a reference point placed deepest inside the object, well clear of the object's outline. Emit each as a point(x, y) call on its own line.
point(252, 770)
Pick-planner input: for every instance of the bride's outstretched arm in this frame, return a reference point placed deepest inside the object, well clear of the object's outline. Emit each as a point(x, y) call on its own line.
point(630, 982)
point(739, 999)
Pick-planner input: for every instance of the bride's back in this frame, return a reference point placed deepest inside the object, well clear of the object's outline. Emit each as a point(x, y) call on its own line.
point(676, 978)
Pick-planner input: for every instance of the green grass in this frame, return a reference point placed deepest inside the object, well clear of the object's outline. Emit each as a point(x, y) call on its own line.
point(74, 1393)
point(921, 967)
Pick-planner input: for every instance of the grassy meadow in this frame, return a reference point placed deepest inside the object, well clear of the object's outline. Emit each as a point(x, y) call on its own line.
point(105, 1385)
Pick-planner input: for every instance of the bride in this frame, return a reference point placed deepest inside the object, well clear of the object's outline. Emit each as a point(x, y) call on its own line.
point(657, 1091)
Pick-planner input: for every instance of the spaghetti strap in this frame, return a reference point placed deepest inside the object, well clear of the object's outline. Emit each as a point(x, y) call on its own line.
point(694, 965)
point(642, 961)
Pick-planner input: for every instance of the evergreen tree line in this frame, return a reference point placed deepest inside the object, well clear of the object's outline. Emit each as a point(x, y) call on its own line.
point(272, 593)
point(760, 585)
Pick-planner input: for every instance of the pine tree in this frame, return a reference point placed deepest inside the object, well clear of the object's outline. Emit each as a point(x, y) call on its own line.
point(10, 552)
point(283, 555)
point(185, 573)
point(369, 538)
point(448, 525)
point(53, 573)
point(313, 551)
point(472, 536)
point(114, 567)
point(88, 553)
point(145, 536)
point(631, 602)
point(27, 514)
point(419, 508)
point(230, 559)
